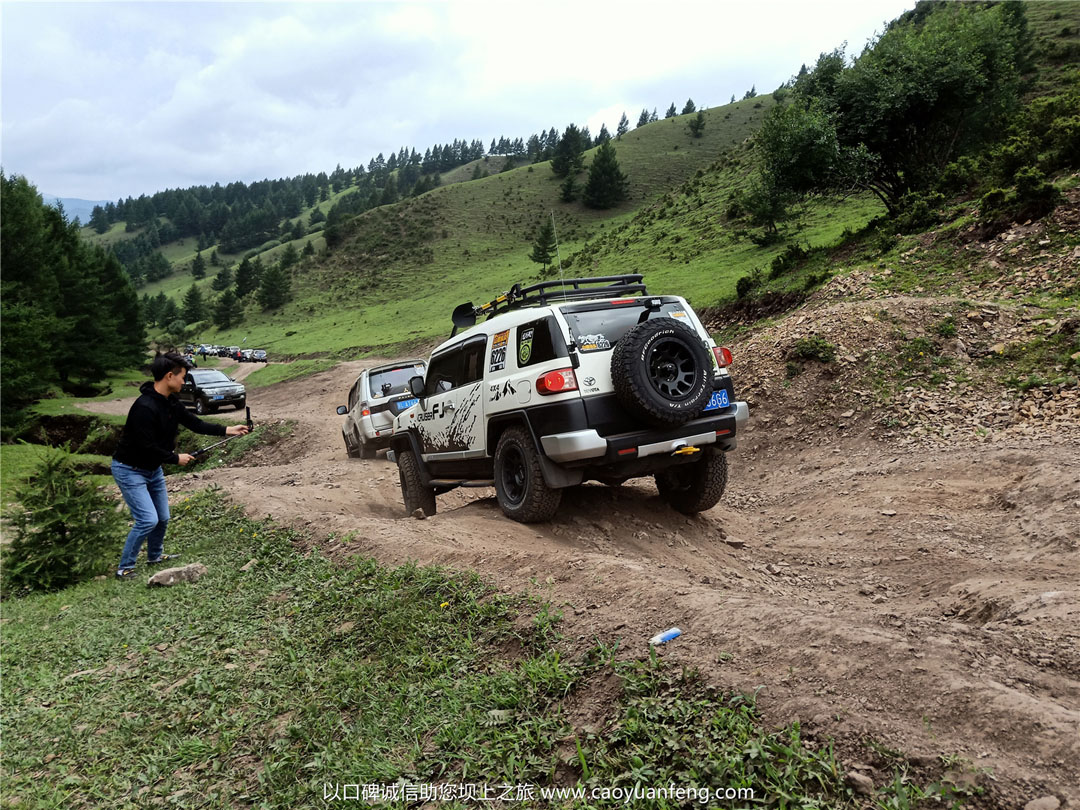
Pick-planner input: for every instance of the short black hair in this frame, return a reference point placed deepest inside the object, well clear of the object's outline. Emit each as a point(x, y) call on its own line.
point(169, 361)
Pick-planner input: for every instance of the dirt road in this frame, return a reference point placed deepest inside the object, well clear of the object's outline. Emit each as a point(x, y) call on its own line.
point(924, 599)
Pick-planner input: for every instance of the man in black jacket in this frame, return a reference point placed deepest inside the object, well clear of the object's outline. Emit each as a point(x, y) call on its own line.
point(148, 441)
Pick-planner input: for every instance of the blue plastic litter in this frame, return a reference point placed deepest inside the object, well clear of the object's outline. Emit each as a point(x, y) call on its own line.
point(666, 636)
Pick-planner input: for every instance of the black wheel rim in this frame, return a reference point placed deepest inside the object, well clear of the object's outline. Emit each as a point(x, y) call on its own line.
point(513, 475)
point(672, 369)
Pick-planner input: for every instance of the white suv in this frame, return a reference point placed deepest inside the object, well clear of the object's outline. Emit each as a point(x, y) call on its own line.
point(568, 381)
point(378, 395)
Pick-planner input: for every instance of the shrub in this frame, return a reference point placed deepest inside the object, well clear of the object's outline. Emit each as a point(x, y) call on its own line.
point(919, 211)
point(947, 327)
point(992, 202)
point(813, 348)
point(787, 261)
point(747, 284)
point(960, 175)
point(63, 530)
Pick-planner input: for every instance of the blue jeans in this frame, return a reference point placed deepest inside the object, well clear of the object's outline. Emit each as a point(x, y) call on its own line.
point(145, 494)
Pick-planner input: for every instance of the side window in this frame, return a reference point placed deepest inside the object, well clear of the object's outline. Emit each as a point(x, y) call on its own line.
point(443, 371)
point(537, 342)
point(473, 367)
point(354, 393)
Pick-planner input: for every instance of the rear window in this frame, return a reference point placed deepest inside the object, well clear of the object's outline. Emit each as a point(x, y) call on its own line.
point(391, 381)
point(538, 342)
point(598, 330)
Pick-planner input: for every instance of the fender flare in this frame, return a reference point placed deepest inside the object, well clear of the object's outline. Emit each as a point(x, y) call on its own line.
point(555, 476)
point(407, 440)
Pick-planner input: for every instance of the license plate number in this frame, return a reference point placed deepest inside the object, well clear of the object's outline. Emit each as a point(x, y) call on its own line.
point(219, 396)
point(405, 404)
point(719, 399)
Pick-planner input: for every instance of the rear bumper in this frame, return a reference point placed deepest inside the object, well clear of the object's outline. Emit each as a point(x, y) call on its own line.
point(589, 446)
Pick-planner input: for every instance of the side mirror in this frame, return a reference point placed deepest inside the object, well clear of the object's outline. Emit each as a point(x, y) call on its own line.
point(416, 386)
point(342, 410)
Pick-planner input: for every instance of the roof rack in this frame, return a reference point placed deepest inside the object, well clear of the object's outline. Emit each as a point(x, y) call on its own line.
point(546, 292)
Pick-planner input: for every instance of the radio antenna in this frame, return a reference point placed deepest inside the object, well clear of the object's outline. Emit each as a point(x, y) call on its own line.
point(558, 253)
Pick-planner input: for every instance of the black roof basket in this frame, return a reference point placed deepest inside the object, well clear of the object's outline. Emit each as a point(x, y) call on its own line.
point(550, 292)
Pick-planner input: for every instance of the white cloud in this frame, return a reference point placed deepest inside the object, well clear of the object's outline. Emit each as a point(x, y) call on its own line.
point(102, 100)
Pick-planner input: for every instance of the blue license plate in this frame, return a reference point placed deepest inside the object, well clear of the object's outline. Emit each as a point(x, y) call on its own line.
point(719, 399)
point(405, 404)
point(219, 396)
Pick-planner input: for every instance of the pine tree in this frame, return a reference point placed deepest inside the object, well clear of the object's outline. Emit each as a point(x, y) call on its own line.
point(607, 185)
point(309, 249)
point(64, 530)
point(194, 309)
point(170, 312)
point(623, 128)
point(275, 288)
point(733, 95)
point(214, 260)
point(98, 221)
point(653, 116)
point(568, 159)
point(751, 93)
point(198, 266)
point(222, 281)
point(697, 124)
point(568, 191)
point(247, 277)
point(643, 119)
point(544, 247)
point(671, 111)
point(289, 256)
point(688, 107)
point(226, 310)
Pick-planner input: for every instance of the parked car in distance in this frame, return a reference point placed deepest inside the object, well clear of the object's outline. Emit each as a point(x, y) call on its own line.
point(207, 389)
point(245, 355)
point(378, 395)
point(259, 356)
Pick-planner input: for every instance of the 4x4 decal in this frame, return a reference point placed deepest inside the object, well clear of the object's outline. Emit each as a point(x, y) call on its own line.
point(497, 392)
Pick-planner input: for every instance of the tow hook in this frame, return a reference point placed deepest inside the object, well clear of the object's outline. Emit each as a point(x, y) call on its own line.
point(686, 451)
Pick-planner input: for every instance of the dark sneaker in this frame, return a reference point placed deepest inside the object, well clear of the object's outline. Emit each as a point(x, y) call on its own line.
point(126, 573)
point(163, 558)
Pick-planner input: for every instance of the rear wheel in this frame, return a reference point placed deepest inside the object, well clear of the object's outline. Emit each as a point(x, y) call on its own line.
point(520, 488)
point(367, 450)
point(697, 486)
point(413, 491)
point(350, 447)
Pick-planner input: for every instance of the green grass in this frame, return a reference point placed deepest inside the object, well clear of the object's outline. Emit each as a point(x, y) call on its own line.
point(17, 463)
point(272, 373)
point(268, 687)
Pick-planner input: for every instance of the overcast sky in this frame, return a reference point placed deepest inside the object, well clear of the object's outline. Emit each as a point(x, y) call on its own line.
point(107, 100)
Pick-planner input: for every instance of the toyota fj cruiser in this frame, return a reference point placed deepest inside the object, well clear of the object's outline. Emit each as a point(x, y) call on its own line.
point(567, 381)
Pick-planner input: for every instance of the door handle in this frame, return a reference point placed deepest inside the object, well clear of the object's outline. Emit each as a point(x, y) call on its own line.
point(449, 406)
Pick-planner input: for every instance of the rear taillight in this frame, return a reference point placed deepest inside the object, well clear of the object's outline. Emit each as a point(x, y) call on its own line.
point(365, 412)
point(722, 355)
point(556, 382)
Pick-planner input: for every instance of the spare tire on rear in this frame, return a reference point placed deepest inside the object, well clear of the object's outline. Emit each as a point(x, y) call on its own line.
point(661, 372)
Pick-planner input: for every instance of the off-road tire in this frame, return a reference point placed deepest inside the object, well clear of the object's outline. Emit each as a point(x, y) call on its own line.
point(367, 450)
point(697, 486)
point(662, 373)
point(520, 488)
point(350, 449)
point(202, 407)
point(413, 491)
point(239, 405)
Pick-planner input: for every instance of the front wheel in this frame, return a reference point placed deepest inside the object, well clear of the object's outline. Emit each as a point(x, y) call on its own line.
point(522, 492)
point(202, 407)
point(697, 486)
point(240, 404)
point(413, 491)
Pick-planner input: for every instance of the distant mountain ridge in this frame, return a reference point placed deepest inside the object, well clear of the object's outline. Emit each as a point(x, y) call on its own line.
point(74, 207)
